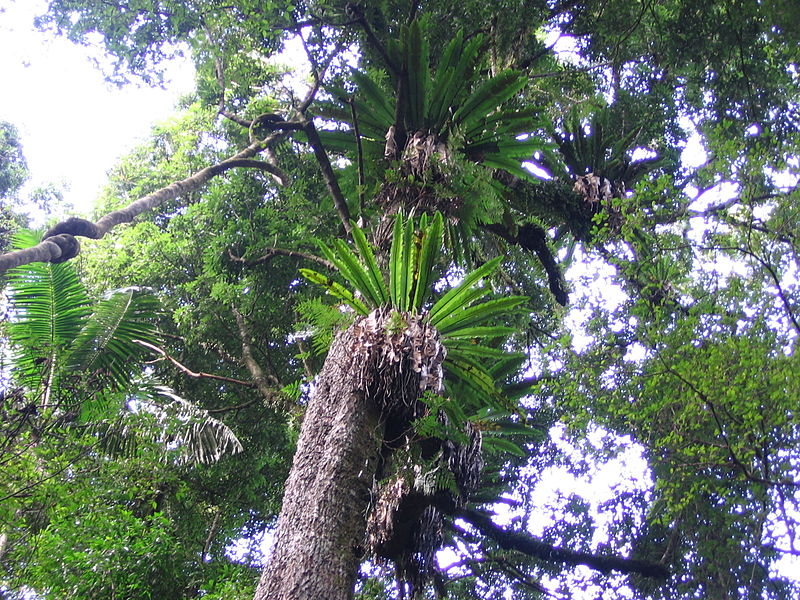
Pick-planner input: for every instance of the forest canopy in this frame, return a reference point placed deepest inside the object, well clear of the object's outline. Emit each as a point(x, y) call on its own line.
point(439, 307)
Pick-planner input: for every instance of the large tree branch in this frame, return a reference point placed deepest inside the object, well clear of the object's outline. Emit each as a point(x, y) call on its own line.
point(329, 176)
point(60, 244)
point(533, 238)
point(264, 383)
point(531, 546)
point(354, 11)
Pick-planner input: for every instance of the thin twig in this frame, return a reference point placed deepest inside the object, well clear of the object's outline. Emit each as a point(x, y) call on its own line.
point(273, 252)
point(187, 371)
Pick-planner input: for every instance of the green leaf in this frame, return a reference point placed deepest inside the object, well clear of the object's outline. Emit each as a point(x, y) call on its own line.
point(475, 377)
point(431, 245)
point(480, 313)
point(452, 82)
point(107, 342)
point(489, 95)
point(395, 261)
point(498, 444)
point(376, 98)
point(368, 256)
point(406, 264)
point(50, 304)
point(510, 165)
point(481, 332)
point(335, 289)
point(468, 349)
point(417, 73)
point(455, 296)
point(356, 275)
point(506, 123)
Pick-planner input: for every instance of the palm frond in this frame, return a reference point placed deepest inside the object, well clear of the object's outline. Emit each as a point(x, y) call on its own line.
point(107, 342)
point(183, 431)
point(49, 305)
point(48, 308)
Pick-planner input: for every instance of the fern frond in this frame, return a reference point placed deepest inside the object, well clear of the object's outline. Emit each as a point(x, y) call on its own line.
point(488, 96)
point(335, 289)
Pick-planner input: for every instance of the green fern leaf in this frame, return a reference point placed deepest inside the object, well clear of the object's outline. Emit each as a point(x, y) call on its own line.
point(454, 298)
point(336, 290)
point(480, 313)
point(489, 95)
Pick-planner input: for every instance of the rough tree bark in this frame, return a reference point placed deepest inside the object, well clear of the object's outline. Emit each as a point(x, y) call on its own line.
point(319, 542)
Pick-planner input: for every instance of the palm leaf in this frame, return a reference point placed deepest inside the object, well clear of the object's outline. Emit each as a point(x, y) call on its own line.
point(198, 437)
point(48, 308)
point(180, 430)
point(107, 341)
point(49, 304)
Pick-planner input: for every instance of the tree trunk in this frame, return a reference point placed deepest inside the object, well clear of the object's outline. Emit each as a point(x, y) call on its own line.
point(318, 545)
point(375, 373)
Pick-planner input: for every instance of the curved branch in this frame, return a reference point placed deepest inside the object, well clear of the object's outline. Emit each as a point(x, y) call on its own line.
point(277, 174)
point(354, 11)
point(60, 244)
point(188, 371)
point(531, 546)
point(262, 380)
point(328, 175)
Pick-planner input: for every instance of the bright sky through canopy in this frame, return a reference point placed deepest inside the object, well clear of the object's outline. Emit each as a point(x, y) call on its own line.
point(73, 125)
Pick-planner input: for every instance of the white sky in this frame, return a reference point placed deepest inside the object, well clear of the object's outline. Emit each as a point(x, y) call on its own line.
point(72, 124)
